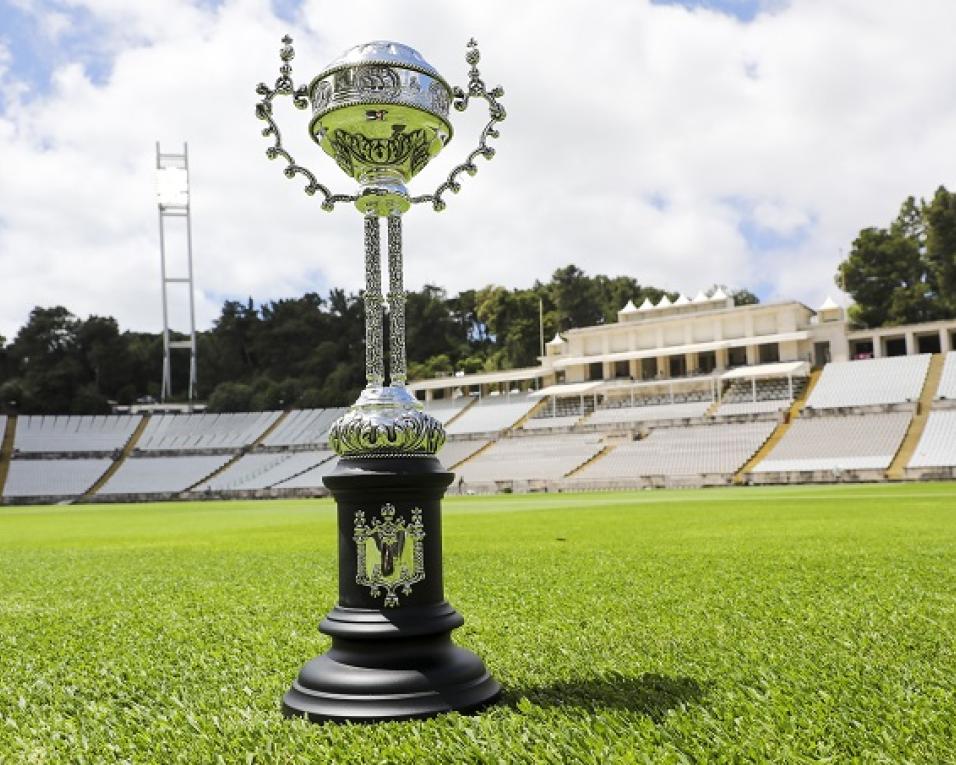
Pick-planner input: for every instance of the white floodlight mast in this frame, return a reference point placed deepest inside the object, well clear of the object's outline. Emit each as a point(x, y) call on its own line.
point(173, 200)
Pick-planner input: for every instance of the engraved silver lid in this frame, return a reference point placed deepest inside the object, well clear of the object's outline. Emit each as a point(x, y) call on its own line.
point(386, 53)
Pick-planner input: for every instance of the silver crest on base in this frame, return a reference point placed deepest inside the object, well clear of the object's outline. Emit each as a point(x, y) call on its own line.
point(395, 564)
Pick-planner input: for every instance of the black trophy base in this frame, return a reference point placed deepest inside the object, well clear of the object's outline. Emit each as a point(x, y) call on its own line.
point(392, 656)
point(390, 666)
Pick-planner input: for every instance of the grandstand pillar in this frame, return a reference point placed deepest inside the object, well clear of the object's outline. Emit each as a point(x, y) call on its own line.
point(720, 356)
point(392, 656)
point(945, 346)
point(911, 347)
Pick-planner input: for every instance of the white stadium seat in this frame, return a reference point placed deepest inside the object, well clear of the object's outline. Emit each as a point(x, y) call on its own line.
point(937, 445)
point(751, 407)
point(204, 431)
point(847, 442)
point(947, 383)
point(454, 452)
point(530, 457)
point(162, 475)
point(492, 414)
point(694, 450)
point(260, 471)
point(73, 433)
point(304, 427)
point(53, 478)
point(311, 478)
point(444, 409)
point(625, 414)
point(539, 423)
point(892, 380)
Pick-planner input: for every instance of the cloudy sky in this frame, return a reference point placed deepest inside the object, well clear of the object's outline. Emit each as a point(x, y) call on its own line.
point(683, 143)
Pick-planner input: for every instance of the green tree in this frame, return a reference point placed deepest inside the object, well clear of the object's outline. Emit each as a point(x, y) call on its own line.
point(511, 316)
point(940, 219)
point(905, 273)
point(575, 298)
point(230, 397)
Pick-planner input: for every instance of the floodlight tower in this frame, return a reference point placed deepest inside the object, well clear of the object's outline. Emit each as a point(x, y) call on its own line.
point(172, 193)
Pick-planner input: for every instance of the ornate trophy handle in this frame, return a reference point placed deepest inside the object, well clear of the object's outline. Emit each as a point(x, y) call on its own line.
point(284, 87)
point(476, 89)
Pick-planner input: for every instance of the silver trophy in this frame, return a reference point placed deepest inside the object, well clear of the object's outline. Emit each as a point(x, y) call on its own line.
point(381, 112)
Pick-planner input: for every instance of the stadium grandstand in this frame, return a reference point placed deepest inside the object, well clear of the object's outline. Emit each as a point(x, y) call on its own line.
point(691, 393)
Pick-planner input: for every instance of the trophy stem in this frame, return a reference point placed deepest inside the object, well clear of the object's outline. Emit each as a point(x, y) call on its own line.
point(374, 361)
point(398, 371)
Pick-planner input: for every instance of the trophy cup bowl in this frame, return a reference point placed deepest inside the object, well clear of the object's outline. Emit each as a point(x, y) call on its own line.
point(381, 112)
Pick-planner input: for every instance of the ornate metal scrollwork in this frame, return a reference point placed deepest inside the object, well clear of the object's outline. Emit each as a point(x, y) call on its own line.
point(385, 152)
point(285, 87)
point(385, 432)
point(476, 89)
point(391, 536)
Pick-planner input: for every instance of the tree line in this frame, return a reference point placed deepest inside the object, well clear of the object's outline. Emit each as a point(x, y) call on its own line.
point(307, 351)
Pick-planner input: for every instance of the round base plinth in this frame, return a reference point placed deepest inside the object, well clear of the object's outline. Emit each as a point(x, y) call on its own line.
point(384, 667)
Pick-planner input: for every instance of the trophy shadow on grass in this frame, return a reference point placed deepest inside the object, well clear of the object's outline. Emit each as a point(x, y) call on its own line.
point(649, 694)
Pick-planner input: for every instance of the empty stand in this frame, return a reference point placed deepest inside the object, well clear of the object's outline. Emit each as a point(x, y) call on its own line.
point(310, 479)
point(626, 414)
point(530, 458)
point(444, 409)
point(73, 433)
point(751, 407)
point(870, 382)
point(262, 470)
point(947, 383)
point(492, 414)
point(759, 396)
point(537, 423)
point(177, 432)
point(52, 478)
point(847, 442)
point(161, 475)
point(304, 427)
point(937, 447)
point(454, 452)
point(693, 450)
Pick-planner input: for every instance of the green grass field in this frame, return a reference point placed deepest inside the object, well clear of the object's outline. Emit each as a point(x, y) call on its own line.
point(800, 624)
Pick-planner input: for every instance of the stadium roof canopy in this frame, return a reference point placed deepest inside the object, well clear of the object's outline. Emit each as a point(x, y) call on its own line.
point(567, 389)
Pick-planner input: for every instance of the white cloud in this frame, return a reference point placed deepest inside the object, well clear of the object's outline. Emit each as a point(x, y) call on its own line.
point(630, 133)
point(779, 218)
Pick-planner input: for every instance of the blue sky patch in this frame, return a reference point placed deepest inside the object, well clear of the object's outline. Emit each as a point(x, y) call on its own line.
point(744, 10)
point(761, 239)
point(287, 10)
point(34, 57)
